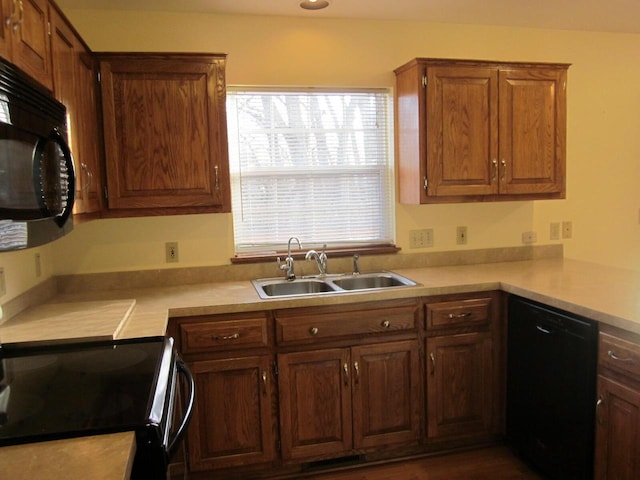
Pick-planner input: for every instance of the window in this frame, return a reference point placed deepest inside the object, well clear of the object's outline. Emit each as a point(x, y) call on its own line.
point(311, 163)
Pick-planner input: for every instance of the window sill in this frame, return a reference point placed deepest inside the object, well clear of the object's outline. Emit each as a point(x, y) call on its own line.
point(262, 257)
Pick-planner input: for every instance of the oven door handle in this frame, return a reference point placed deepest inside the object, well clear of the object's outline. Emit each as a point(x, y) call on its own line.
point(186, 373)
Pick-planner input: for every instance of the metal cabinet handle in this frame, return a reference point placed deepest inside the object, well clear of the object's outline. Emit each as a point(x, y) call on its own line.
point(313, 331)
point(494, 162)
point(503, 162)
point(459, 315)
point(598, 404)
point(386, 323)
point(433, 363)
point(17, 24)
point(345, 367)
point(227, 337)
point(216, 170)
point(264, 383)
point(9, 20)
point(356, 367)
point(611, 354)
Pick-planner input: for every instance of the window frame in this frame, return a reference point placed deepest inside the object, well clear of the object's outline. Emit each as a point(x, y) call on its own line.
point(267, 252)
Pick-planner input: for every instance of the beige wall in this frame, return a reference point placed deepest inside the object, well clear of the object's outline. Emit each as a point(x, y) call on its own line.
point(603, 153)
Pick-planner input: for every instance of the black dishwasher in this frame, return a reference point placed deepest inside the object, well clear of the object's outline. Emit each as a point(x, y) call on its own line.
point(551, 389)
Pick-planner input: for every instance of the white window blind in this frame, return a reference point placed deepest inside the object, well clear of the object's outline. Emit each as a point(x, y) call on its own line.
point(310, 163)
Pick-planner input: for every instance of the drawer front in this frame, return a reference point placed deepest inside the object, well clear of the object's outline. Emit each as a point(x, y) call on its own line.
point(618, 354)
point(310, 327)
point(459, 313)
point(225, 334)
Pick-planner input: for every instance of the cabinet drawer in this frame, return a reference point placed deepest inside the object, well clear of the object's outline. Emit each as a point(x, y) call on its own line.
point(312, 327)
point(459, 313)
point(618, 354)
point(225, 334)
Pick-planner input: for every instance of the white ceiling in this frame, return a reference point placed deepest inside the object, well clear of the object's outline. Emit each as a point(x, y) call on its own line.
point(621, 16)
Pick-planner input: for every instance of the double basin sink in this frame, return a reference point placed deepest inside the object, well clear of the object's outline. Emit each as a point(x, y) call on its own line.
point(330, 283)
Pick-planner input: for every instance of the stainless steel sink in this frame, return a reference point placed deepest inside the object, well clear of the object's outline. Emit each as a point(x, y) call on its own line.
point(325, 284)
point(372, 280)
point(281, 287)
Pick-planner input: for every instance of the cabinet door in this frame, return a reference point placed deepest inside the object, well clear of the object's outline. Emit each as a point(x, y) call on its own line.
point(31, 49)
point(462, 130)
point(74, 86)
point(386, 394)
point(7, 9)
point(165, 132)
point(617, 432)
point(459, 385)
point(233, 422)
point(315, 403)
point(532, 130)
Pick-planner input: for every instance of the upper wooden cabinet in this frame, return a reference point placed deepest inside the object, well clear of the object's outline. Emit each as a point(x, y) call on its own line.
point(24, 37)
point(165, 133)
point(74, 84)
point(477, 131)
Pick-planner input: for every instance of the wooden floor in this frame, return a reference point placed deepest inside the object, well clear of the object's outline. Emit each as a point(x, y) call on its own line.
point(486, 464)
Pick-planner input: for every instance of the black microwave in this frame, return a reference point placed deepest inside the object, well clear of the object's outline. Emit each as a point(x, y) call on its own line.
point(37, 182)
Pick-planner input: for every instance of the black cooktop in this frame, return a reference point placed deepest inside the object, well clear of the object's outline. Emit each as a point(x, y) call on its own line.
point(72, 390)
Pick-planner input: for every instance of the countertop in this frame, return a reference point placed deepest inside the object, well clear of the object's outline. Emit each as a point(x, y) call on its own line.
point(608, 295)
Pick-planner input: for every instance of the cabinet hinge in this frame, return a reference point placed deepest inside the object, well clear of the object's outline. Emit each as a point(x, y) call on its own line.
point(425, 183)
point(275, 368)
point(106, 193)
point(424, 81)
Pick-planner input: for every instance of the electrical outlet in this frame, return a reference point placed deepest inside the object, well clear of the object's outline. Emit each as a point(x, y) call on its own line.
point(171, 252)
point(567, 229)
point(529, 237)
point(421, 238)
point(38, 265)
point(554, 231)
point(3, 286)
point(461, 235)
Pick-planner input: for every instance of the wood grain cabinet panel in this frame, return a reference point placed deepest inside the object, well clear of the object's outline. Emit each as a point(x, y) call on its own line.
point(459, 385)
point(478, 131)
point(165, 133)
point(617, 446)
point(75, 86)
point(233, 420)
point(24, 38)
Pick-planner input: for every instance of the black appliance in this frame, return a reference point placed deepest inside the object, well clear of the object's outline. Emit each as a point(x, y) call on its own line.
point(75, 390)
point(551, 389)
point(37, 183)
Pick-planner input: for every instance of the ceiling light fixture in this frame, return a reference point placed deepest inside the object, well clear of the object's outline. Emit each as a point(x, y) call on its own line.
point(314, 4)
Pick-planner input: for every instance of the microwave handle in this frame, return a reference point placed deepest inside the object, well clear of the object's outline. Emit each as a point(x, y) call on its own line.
point(186, 373)
point(68, 159)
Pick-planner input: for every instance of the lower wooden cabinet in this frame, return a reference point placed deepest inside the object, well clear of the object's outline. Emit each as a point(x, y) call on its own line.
point(459, 385)
point(617, 449)
point(337, 401)
point(463, 378)
point(233, 421)
point(617, 431)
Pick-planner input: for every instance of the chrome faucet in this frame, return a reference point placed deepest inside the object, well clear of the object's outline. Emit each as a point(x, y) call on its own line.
point(356, 268)
point(287, 266)
point(320, 258)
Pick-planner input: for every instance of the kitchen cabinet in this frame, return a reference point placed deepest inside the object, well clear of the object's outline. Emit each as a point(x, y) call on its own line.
point(356, 390)
point(24, 38)
point(480, 131)
point(165, 134)
point(462, 348)
point(75, 86)
point(617, 449)
point(233, 422)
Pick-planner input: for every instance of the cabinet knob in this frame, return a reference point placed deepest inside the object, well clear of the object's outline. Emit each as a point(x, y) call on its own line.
point(313, 331)
point(386, 323)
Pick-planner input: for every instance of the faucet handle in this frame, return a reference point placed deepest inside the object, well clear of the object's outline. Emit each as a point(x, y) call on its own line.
point(356, 268)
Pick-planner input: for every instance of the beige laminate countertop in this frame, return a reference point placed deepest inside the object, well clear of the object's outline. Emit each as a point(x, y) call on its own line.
point(605, 294)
